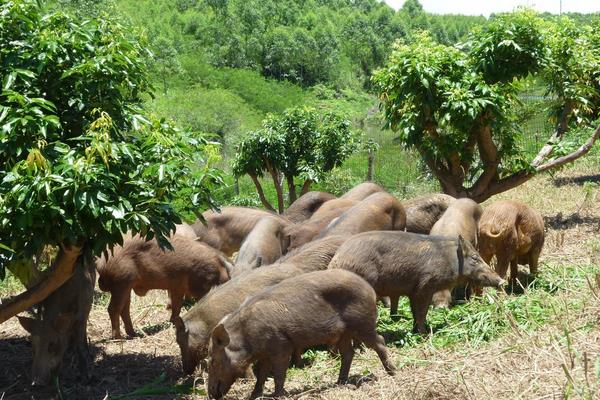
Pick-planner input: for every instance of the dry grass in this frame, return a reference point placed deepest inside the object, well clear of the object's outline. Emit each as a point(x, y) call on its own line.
point(558, 359)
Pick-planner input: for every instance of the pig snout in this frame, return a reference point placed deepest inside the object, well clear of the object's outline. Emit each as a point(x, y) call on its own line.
point(216, 390)
point(487, 277)
point(41, 378)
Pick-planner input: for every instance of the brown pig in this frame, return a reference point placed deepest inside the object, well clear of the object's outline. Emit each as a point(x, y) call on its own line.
point(380, 211)
point(514, 233)
point(459, 219)
point(61, 324)
point(227, 229)
point(333, 307)
point(408, 264)
point(194, 327)
point(300, 234)
point(305, 206)
point(191, 269)
point(423, 212)
point(362, 191)
point(186, 230)
point(265, 244)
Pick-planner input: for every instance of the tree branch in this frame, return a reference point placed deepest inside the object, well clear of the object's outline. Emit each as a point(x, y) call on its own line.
point(291, 189)
point(277, 183)
point(561, 128)
point(261, 193)
point(582, 150)
point(442, 174)
point(306, 187)
point(59, 273)
point(488, 152)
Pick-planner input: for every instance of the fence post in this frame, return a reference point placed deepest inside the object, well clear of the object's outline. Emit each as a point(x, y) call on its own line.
point(236, 186)
point(370, 164)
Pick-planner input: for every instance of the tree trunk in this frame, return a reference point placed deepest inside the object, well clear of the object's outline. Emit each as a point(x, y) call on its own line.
point(291, 189)
point(306, 187)
point(261, 194)
point(61, 270)
point(370, 165)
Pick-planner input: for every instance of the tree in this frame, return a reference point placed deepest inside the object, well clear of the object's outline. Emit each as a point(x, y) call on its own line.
point(80, 162)
point(301, 143)
point(456, 106)
point(165, 61)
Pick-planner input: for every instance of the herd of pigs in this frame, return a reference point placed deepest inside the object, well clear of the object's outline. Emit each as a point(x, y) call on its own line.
point(312, 276)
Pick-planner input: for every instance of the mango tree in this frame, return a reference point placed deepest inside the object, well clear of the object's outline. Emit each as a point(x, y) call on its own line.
point(81, 164)
point(457, 105)
point(301, 143)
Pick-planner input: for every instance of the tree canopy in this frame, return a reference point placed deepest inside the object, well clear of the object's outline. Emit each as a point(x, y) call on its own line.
point(300, 143)
point(81, 163)
point(456, 105)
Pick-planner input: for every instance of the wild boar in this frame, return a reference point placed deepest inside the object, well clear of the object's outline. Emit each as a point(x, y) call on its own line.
point(514, 233)
point(305, 206)
point(186, 230)
point(194, 327)
point(459, 219)
point(227, 229)
point(380, 211)
point(362, 191)
point(423, 212)
point(300, 234)
point(265, 244)
point(61, 324)
point(408, 264)
point(191, 269)
point(332, 307)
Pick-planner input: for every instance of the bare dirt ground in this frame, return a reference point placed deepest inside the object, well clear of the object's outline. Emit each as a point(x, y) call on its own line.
point(560, 359)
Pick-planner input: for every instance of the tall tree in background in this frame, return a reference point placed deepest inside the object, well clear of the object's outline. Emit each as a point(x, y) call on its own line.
point(457, 108)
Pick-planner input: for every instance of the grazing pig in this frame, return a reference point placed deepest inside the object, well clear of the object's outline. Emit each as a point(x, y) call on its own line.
point(186, 230)
point(423, 212)
point(332, 307)
point(300, 234)
point(362, 191)
point(305, 206)
point(514, 233)
point(265, 244)
point(61, 325)
point(460, 219)
point(194, 328)
point(191, 269)
point(408, 264)
point(227, 229)
point(378, 212)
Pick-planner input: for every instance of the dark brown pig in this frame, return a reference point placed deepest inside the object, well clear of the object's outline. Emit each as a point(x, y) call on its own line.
point(300, 234)
point(305, 206)
point(460, 219)
point(514, 233)
point(423, 212)
point(194, 328)
point(265, 244)
point(333, 307)
point(191, 269)
point(408, 264)
point(378, 212)
point(227, 229)
point(61, 324)
point(362, 191)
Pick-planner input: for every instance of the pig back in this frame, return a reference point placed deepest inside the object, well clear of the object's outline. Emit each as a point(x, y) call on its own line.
point(362, 191)
point(423, 212)
point(461, 218)
point(306, 205)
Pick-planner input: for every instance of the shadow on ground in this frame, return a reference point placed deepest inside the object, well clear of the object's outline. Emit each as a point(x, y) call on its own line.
point(577, 180)
point(137, 376)
point(562, 222)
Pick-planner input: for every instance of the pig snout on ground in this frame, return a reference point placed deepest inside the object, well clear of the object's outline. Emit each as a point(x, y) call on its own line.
point(459, 219)
point(191, 269)
point(423, 212)
point(226, 229)
point(306, 205)
point(513, 232)
point(413, 265)
point(379, 211)
point(59, 329)
point(362, 191)
point(331, 307)
point(265, 244)
point(194, 327)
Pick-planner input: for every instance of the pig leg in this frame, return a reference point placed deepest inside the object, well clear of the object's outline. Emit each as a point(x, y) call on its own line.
point(176, 303)
point(280, 365)
point(347, 351)
point(514, 269)
point(377, 343)
point(118, 297)
point(420, 306)
point(394, 306)
point(502, 266)
point(533, 262)
point(261, 371)
point(126, 316)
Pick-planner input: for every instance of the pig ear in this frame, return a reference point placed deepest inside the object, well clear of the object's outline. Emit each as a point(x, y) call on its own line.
point(64, 321)
point(29, 324)
point(220, 336)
